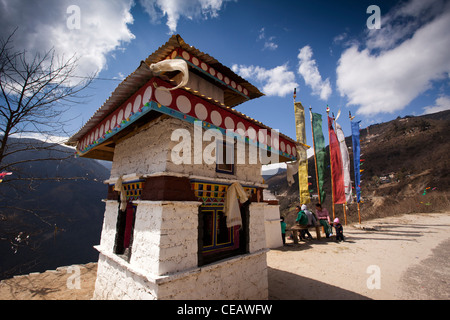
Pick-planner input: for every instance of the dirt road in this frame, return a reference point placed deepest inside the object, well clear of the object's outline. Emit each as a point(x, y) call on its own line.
point(404, 257)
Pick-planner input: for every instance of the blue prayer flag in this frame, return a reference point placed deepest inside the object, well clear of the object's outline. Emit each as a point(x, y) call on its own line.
point(356, 158)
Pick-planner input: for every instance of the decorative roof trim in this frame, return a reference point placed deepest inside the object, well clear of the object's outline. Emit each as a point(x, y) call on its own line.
point(209, 71)
point(187, 107)
point(177, 42)
point(143, 74)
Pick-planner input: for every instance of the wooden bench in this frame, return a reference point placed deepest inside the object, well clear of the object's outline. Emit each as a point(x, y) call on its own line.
point(295, 229)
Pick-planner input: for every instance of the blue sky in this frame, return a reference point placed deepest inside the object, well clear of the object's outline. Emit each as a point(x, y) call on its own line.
point(323, 48)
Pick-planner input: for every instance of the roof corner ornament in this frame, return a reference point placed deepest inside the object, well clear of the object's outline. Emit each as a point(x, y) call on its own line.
point(171, 65)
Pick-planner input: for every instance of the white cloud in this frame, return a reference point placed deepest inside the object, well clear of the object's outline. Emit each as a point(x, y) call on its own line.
point(120, 76)
point(175, 9)
point(442, 103)
point(309, 71)
point(269, 43)
point(278, 81)
point(340, 38)
point(396, 66)
point(43, 137)
point(103, 28)
point(402, 21)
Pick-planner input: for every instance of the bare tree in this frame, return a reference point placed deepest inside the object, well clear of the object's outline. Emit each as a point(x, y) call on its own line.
point(35, 92)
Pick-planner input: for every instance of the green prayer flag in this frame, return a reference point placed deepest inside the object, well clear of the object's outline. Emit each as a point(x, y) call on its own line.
point(319, 143)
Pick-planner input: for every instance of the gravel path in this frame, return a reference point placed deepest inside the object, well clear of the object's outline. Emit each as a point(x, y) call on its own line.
point(403, 257)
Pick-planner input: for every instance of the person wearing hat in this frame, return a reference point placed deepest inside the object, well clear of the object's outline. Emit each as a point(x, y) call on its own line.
point(302, 220)
point(312, 221)
point(339, 230)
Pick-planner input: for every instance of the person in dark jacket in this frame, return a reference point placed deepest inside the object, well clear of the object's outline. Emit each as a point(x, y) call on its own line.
point(339, 230)
point(302, 220)
point(283, 230)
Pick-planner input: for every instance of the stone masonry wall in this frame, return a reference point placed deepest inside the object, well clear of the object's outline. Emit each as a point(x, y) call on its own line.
point(109, 225)
point(257, 232)
point(150, 152)
point(116, 282)
point(163, 263)
point(143, 153)
point(273, 227)
point(239, 278)
point(165, 236)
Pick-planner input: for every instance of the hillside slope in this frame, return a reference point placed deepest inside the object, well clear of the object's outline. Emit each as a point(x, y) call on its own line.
point(60, 212)
point(402, 158)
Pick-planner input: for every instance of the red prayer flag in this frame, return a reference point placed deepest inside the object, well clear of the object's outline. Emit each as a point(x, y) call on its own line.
point(336, 166)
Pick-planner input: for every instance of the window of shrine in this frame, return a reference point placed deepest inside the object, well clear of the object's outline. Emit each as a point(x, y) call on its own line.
point(216, 241)
point(225, 159)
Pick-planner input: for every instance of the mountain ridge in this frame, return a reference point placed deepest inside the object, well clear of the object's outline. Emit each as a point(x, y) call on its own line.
point(51, 213)
point(402, 158)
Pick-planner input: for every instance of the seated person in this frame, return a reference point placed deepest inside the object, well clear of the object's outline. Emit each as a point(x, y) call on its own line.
point(324, 219)
point(302, 220)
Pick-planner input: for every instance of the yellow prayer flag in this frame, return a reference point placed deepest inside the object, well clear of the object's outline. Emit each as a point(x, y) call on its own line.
point(301, 153)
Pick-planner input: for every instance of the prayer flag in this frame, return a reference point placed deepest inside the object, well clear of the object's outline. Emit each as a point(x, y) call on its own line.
point(336, 166)
point(3, 174)
point(302, 157)
point(319, 144)
point(345, 164)
point(356, 159)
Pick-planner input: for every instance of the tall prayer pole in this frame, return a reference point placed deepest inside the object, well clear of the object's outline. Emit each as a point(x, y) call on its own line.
point(331, 164)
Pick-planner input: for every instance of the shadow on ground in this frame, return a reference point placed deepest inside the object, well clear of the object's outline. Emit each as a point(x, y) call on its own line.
point(296, 287)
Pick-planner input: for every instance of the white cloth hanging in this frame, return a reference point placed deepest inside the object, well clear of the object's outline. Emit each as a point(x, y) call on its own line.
point(345, 163)
point(232, 210)
point(292, 169)
point(123, 195)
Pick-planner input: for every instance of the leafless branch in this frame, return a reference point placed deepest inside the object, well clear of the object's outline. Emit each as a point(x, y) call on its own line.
point(35, 92)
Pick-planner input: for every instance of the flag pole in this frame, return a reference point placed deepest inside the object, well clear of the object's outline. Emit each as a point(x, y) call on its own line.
point(357, 202)
point(331, 165)
point(359, 213)
point(315, 159)
point(345, 213)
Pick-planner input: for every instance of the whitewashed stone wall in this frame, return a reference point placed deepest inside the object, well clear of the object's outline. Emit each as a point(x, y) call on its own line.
point(143, 153)
point(163, 263)
point(273, 226)
point(257, 232)
point(116, 280)
point(165, 236)
point(109, 225)
point(239, 278)
point(150, 152)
